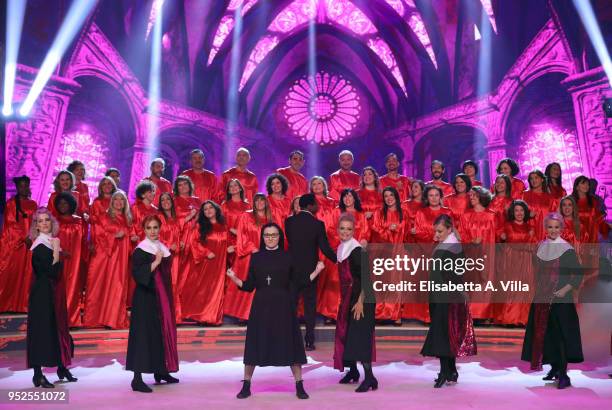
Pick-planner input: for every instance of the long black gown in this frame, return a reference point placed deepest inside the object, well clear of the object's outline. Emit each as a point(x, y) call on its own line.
point(451, 331)
point(273, 335)
point(49, 343)
point(152, 338)
point(553, 322)
point(354, 341)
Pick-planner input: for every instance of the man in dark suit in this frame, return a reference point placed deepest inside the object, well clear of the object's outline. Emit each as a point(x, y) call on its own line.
point(306, 235)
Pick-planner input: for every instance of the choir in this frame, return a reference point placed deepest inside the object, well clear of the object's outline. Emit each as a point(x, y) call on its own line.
point(209, 224)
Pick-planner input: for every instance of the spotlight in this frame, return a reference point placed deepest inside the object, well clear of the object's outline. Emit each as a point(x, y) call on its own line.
point(607, 107)
point(14, 23)
point(155, 79)
point(78, 12)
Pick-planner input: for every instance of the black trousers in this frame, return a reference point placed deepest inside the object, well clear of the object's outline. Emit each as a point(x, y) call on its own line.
point(309, 293)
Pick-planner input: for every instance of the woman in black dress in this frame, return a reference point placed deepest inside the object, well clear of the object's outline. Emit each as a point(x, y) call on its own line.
point(553, 330)
point(273, 335)
point(451, 331)
point(152, 338)
point(355, 322)
point(49, 343)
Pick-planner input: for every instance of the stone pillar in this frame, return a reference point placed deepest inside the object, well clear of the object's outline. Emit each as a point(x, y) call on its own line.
point(495, 153)
point(594, 130)
point(140, 168)
point(32, 145)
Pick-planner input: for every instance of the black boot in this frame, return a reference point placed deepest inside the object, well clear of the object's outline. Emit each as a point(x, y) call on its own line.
point(299, 390)
point(245, 391)
point(352, 376)
point(553, 373)
point(139, 385)
point(453, 374)
point(564, 381)
point(369, 382)
point(444, 372)
point(40, 380)
point(63, 372)
point(165, 377)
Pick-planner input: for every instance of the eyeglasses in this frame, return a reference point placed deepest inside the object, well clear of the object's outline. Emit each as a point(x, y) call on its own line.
point(271, 235)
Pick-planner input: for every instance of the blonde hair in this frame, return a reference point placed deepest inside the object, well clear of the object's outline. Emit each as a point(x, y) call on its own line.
point(33, 228)
point(109, 179)
point(126, 206)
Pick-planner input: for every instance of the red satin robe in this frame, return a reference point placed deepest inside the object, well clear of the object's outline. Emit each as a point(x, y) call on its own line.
point(162, 185)
point(298, 185)
point(140, 211)
point(206, 185)
point(423, 223)
point(237, 303)
point(500, 204)
point(232, 211)
point(83, 190)
point(170, 235)
point(15, 256)
point(340, 180)
point(362, 231)
point(70, 236)
point(202, 296)
point(183, 207)
point(401, 183)
point(476, 183)
point(458, 204)
point(447, 189)
point(107, 277)
point(330, 273)
point(515, 262)
point(390, 309)
point(483, 225)
point(371, 201)
point(280, 208)
point(246, 178)
point(568, 233)
point(411, 207)
point(540, 204)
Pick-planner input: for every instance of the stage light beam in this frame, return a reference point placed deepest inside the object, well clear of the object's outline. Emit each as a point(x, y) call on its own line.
point(589, 21)
point(14, 24)
point(313, 148)
point(155, 80)
point(77, 14)
point(233, 100)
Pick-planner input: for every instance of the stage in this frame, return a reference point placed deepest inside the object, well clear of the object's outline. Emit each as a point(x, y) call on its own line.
point(211, 371)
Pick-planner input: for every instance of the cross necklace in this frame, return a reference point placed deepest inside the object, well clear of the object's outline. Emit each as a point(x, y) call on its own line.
point(268, 279)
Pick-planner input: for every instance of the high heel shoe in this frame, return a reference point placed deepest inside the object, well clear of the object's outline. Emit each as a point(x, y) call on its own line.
point(165, 377)
point(367, 384)
point(350, 377)
point(441, 380)
point(41, 381)
point(245, 391)
point(299, 390)
point(63, 372)
point(139, 385)
point(453, 377)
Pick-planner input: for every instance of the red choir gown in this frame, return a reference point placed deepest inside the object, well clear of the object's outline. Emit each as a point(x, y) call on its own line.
point(232, 211)
point(202, 295)
point(237, 303)
point(592, 219)
point(340, 180)
point(281, 209)
point(476, 183)
point(71, 240)
point(206, 185)
point(540, 203)
point(401, 183)
point(83, 190)
point(458, 204)
point(15, 256)
point(371, 201)
point(391, 308)
point(329, 275)
point(107, 277)
point(424, 240)
point(161, 185)
point(246, 178)
point(411, 207)
point(183, 207)
point(170, 235)
point(515, 263)
point(447, 189)
point(500, 204)
point(298, 185)
point(481, 225)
